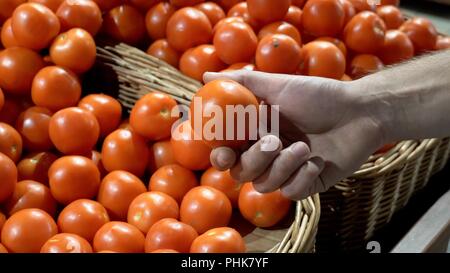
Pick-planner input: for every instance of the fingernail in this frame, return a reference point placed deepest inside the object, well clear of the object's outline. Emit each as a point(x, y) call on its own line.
point(299, 149)
point(224, 159)
point(269, 143)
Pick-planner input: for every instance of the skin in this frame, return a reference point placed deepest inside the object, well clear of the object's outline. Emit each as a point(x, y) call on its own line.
point(329, 128)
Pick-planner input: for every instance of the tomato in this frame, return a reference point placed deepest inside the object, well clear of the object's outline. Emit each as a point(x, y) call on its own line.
point(30, 194)
point(106, 109)
point(365, 33)
point(125, 24)
point(34, 25)
point(239, 66)
point(164, 251)
point(156, 20)
point(125, 150)
point(204, 208)
point(74, 131)
point(173, 180)
point(235, 42)
point(27, 231)
point(299, 3)
point(397, 48)
point(144, 4)
point(214, 12)
point(391, 15)
point(160, 154)
point(219, 240)
point(2, 99)
point(51, 4)
point(294, 17)
point(364, 64)
point(170, 234)
point(346, 78)
point(7, 36)
point(185, 3)
point(150, 207)
point(72, 178)
point(323, 17)
point(33, 125)
point(106, 5)
point(198, 60)
point(443, 43)
point(187, 28)
point(2, 221)
point(66, 243)
point(151, 116)
point(18, 66)
point(422, 34)
point(96, 157)
point(7, 7)
point(336, 42)
point(280, 28)
point(83, 217)
point(223, 182)
point(10, 142)
point(322, 59)
point(3, 249)
point(119, 237)
point(162, 50)
point(268, 11)
point(35, 167)
point(84, 14)
point(225, 21)
point(278, 53)
point(241, 10)
point(390, 2)
point(349, 10)
point(55, 88)
point(262, 209)
point(8, 177)
point(10, 111)
point(227, 4)
point(363, 5)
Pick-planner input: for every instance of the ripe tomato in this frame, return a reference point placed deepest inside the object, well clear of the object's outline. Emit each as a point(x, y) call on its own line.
point(349, 10)
point(268, 11)
point(294, 17)
point(164, 251)
point(322, 59)
point(365, 33)
point(185, 3)
point(106, 5)
point(51, 4)
point(173, 180)
point(125, 150)
point(74, 49)
point(299, 3)
point(72, 178)
point(391, 15)
point(3, 249)
point(364, 64)
point(18, 66)
point(241, 10)
point(226, 21)
point(156, 20)
point(362, 5)
point(170, 234)
point(144, 4)
point(96, 157)
point(204, 208)
point(278, 53)
point(162, 50)
point(2, 99)
point(30, 194)
point(443, 42)
point(35, 167)
point(223, 182)
point(7, 7)
point(198, 60)
point(214, 12)
point(74, 131)
point(227, 4)
point(235, 42)
point(280, 28)
point(66, 243)
point(219, 240)
point(390, 2)
point(33, 125)
point(2, 221)
point(27, 231)
point(422, 34)
point(55, 88)
point(262, 209)
point(151, 116)
point(34, 25)
point(119, 237)
point(7, 36)
point(239, 66)
point(8, 177)
point(10, 142)
point(397, 48)
point(117, 190)
point(82, 14)
point(83, 217)
point(106, 109)
point(323, 17)
point(346, 78)
point(150, 207)
point(187, 28)
point(125, 24)
point(160, 154)
point(336, 42)
point(12, 108)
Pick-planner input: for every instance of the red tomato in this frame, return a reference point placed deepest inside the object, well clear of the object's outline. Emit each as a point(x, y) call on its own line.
point(170, 234)
point(7, 36)
point(299, 3)
point(205, 208)
point(199, 60)
point(162, 50)
point(223, 182)
point(73, 178)
point(214, 12)
point(262, 209)
point(35, 167)
point(156, 20)
point(2, 221)
point(336, 42)
point(268, 11)
point(391, 15)
point(322, 59)
point(27, 231)
point(165, 251)
point(18, 66)
point(8, 177)
point(7, 7)
point(185, 3)
point(219, 240)
point(144, 4)
point(119, 237)
point(228, 4)
point(278, 53)
point(125, 24)
point(363, 5)
point(346, 78)
point(364, 64)
point(443, 42)
point(239, 66)
point(84, 14)
point(422, 34)
point(280, 28)
point(397, 48)
point(390, 2)
point(33, 125)
point(160, 154)
point(187, 28)
point(323, 17)
point(226, 21)
point(10, 142)
point(12, 108)
point(66, 243)
point(3, 249)
point(106, 5)
point(96, 157)
point(294, 17)
point(349, 10)
point(240, 10)
point(51, 4)
point(117, 190)
point(365, 33)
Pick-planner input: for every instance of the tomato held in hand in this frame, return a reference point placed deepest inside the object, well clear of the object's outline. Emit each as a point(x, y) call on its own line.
point(268, 11)
point(125, 24)
point(323, 17)
point(223, 182)
point(278, 53)
point(72, 178)
point(10, 142)
point(280, 28)
point(66, 243)
point(82, 14)
point(391, 15)
point(35, 167)
point(214, 12)
point(219, 240)
point(364, 64)
point(397, 47)
point(51, 4)
point(262, 209)
point(365, 33)
point(119, 237)
point(27, 231)
point(33, 125)
point(422, 34)
point(8, 177)
point(156, 20)
point(170, 234)
point(199, 60)
point(162, 50)
point(7, 36)
point(160, 154)
point(205, 208)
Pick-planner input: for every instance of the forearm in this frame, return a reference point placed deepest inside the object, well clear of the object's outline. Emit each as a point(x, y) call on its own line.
point(410, 100)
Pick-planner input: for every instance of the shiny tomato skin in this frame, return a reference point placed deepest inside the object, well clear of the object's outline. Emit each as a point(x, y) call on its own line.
point(82, 14)
point(349, 10)
point(323, 18)
point(278, 53)
point(33, 125)
point(443, 42)
point(391, 15)
point(322, 59)
point(185, 3)
point(8, 177)
point(162, 50)
point(7, 36)
point(144, 4)
point(225, 21)
point(222, 181)
point(169, 233)
point(160, 154)
point(156, 20)
point(422, 34)
point(365, 33)
point(107, 5)
point(219, 240)
point(364, 64)
point(51, 4)
point(213, 11)
point(239, 66)
point(35, 167)
point(119, 237)
point(268, 11)
point(342, 47)
point(66, 243)
point(125, 24)
point(397, 47)
point(280, 28)
point(294, 17)
point(11, 143)
point(199, 60)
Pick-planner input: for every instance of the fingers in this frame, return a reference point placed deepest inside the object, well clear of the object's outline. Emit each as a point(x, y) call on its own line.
point(223, 158)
